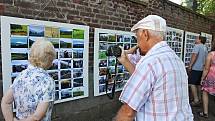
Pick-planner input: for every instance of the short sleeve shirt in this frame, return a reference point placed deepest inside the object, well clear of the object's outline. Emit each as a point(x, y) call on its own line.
point(158, 88)
point(201, 51)
point(32, 86)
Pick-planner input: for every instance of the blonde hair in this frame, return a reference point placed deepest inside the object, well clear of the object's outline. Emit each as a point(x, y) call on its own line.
point(42, 53)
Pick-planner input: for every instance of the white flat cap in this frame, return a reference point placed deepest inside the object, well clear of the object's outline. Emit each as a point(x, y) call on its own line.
point(152, 22)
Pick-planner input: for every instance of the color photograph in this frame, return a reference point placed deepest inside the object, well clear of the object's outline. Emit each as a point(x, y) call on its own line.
point(56, 95)
point(78, 82)
point(19, 42)
point(78, 34)
point(111, 38)
point(54, 74)
point(65, 33)
point(65, 74)
point(65, 84)
point(102, 55)
point(31, 40)
point(19, 54)
point(56, 85)
point(103, 63)
point(102, 71)
point(78, 53)
point(78, 92)
point(54, 65)
point(126, 76)
point(133, 39)
point(127, 46)
point(119, 38)
point(102, 80)
point(65, 64)
point(64, 53)
point(78, 44)
point(77, 73)
point(111, 61)
point(54, 41)
point(65, 43)
point(37, 31)
point(21, 30)
point(19, 65)
point(66, 93)
point(103, 37)
point(103, 46)
point(77, 63)
point(51, 32)
point(102, 88)
point(127, 38)
point(120, 69)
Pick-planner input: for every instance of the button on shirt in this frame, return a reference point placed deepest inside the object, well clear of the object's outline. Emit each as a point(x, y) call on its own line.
point(31, 87)
point(158, 88)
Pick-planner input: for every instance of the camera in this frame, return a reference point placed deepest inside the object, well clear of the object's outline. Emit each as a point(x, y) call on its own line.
point(114, 50)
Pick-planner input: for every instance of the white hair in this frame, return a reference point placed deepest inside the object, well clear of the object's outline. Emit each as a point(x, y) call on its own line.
point(160, 34)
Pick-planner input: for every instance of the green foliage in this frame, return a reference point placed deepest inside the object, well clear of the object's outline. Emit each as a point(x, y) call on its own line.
point(206, 7)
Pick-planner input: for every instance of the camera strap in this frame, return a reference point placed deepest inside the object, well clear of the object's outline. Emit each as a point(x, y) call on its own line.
point(108, 76)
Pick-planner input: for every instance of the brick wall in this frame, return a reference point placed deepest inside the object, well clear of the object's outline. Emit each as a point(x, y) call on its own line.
point(108, 14)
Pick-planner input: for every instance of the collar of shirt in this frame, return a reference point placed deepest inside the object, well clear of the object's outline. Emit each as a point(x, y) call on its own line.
point(30, 66)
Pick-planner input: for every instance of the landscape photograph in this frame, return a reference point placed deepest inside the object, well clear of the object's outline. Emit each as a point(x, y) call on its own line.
point(78, 82)
point(78, 34)
point(37, 31)
point(65, 33)
point(65, 43)
point(78, 44)
point(19, 42)
point(21, 30)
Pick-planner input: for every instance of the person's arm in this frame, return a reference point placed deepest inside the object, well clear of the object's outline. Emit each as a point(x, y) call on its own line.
point(193, 60)
point(125, 61)
point(206, 67)
point(39, 113)
point(125, 113)
point(6, 105)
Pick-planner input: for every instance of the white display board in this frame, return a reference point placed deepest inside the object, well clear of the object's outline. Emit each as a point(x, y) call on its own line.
point(174, 38)
point(189, 44)
point(103, 38)
point(71, 42)
point(208, 40)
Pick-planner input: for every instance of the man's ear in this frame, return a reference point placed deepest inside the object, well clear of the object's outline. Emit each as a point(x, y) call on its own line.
point(146, 34)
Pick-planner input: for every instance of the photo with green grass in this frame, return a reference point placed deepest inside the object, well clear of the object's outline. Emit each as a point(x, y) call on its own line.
point(18, 30)
point(78, 34)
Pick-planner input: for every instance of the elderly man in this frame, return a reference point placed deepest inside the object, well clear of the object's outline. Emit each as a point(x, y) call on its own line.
point(158, 87)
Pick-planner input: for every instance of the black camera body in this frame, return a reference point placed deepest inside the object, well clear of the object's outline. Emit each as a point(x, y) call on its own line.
point(114, 50)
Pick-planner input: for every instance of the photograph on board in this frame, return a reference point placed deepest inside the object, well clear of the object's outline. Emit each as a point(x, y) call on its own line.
point(21, 30)
point(77, 73)
point(37, 31)
point(66, 53)
point(78, 34)
point(19, 42)
point(65, 33)
point(77, 63)
point(78, 52)
point(65, 74)
point(65, 84)
point(65, 43)
point(78, 82)
point(65, 64)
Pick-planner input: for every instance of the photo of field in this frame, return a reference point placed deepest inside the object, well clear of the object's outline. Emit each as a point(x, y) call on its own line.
point(21, 30)
point(19, 42)
point(78, 93)
point(111, 38)
point(65, 43)
point(78, 82)
point(65, 33)
point(52, 32)
point(102, 55)
point(55, 42)
point(37, 31)
point(78, 44)
point(19, 54)
point(78, 34)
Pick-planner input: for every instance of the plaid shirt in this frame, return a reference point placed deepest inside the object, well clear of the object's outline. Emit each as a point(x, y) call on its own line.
point(158, 88)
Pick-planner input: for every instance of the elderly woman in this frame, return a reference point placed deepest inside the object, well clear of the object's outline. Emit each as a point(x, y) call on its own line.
point(33, 88)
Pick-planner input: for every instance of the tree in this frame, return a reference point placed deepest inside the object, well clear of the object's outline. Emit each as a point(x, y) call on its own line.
point(206, 7)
